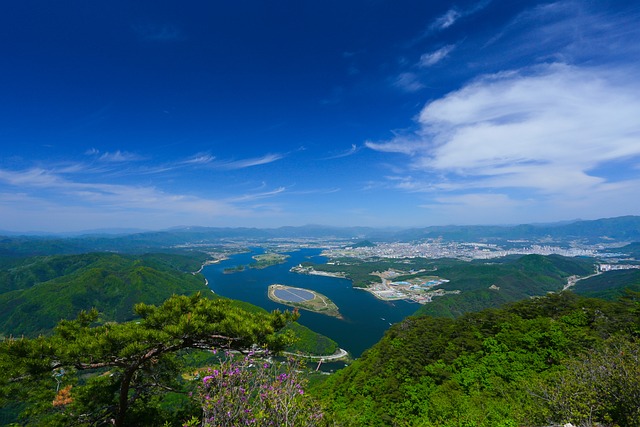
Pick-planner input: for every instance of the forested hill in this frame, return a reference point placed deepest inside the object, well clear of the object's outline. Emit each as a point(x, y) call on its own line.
point(486, 285)
point(560, 358)
point(43, 290)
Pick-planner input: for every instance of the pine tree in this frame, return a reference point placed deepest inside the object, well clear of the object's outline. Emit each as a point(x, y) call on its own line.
point(124, 362)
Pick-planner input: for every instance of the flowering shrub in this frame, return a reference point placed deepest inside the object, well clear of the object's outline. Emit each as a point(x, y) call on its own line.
point(246, 391)
point(63, 397)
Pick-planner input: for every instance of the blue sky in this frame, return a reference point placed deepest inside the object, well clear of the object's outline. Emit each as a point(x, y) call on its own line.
point(153, 114)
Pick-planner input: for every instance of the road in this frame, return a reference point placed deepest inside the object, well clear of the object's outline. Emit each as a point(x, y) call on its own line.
point(335, 356)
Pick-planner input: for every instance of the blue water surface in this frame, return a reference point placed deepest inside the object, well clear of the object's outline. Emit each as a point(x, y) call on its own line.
point(365, 318)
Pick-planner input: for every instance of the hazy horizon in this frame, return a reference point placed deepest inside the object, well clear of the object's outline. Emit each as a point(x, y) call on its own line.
point(128, 231)
point(152, 115)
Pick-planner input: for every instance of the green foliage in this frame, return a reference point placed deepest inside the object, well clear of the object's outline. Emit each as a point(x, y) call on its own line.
point(480, 369)
point(609, 285)
point(118, 370)
point(309, 342)
point(602, 384)
point(48, 289)
point(13, 249)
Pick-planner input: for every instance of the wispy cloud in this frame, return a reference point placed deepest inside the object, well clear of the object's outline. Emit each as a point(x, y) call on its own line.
point(70, 203)
point(120, 156)
point(314, 191)
point(247, 163)
point(114, 157)
point(351, 151)
point(30, 177)
point(432, 58)
point(81, 194)
point(446, 20)
point(111, 160)
point(408, 82)
point(409, 144)
point(199, 159)
point(544, 129)
point(259, 195)
point(452, 15)
point(568, 31)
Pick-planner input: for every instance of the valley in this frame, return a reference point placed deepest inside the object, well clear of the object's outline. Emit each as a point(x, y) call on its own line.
point(366, 308)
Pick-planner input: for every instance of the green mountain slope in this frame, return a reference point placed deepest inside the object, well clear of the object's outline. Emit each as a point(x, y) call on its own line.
point(609, 285)
point(632, 250)
point(487, 285)
point(54, 288)
point(481, 369)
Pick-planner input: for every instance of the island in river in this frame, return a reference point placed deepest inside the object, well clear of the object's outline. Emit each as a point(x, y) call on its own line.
point(304, 299)
point(262, 261)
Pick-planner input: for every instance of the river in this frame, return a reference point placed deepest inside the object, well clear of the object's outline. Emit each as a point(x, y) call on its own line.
point(365, 318)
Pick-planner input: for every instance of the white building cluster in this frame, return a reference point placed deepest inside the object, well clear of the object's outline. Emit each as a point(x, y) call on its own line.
point(465, 251)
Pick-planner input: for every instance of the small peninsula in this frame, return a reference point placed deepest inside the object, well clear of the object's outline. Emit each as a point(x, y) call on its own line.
point(304, 299)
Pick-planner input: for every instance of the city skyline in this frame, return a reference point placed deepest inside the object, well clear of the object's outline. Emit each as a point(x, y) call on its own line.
point(160, 114)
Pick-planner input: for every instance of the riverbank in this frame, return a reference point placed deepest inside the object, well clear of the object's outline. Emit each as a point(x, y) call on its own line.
point(210, 262)
point(340, 354)
point(300, 269)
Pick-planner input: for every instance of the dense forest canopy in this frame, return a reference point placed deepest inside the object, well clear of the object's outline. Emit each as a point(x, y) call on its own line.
point(527, 364)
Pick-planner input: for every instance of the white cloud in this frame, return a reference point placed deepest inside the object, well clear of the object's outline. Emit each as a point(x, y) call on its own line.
point(571, 31)
point(246, 163)
point(76, 196)
point(199, 159)
point(446, 20)
point(44, 191)
point(409, 82)
point(399, 144)
point(542, 130)
point(261, 195)
point(452, 15)
point(114, 157)
point(430, 59)
point(351, 151)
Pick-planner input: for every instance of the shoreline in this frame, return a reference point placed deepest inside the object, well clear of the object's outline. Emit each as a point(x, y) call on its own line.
point(311, 271)
point(338, 355)
point(329, 308)
point(210, 262)
point(381, 297)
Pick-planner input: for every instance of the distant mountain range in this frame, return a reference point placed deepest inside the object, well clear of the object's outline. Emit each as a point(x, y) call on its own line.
point(624, 228)
point(619, 229)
